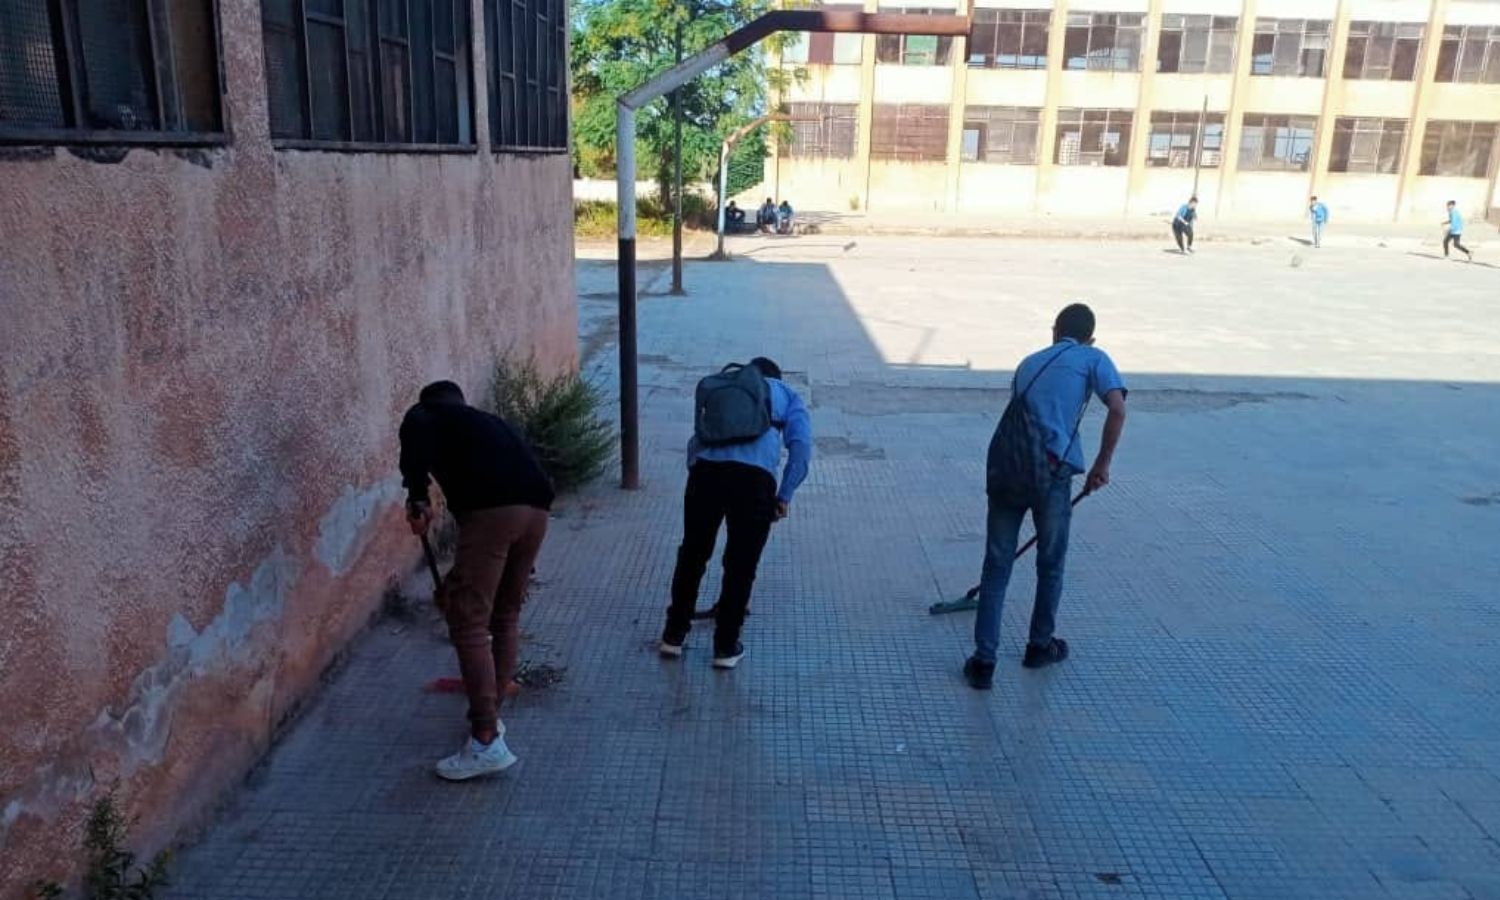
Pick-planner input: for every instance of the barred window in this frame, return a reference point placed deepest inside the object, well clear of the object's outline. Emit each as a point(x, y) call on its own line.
point(1104, 41)
point(368, 73)
point(109, 70)
point(1277, 143)
point(1470, 54)
point(1196, 44)
point(1367, 145)
point(527, 45)
point(1007, 135)
point(1458, 149)
point(825, 130)
point(913, 49)
point(1093, 137)
point(825, 49)
point(909, 132)
point(1009, 38)
point(1290, 48)
point(1383, 51)
point(1173, 141)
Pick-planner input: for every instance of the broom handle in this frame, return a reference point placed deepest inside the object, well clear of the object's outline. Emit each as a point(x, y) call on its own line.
point(437, 580)
point(974, 591)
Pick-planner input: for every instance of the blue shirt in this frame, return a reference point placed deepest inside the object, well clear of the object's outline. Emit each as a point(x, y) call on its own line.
point(1057, 395)
point(1455, 222)
point(795, 431)
point(1186, 214)
point(1319, 213)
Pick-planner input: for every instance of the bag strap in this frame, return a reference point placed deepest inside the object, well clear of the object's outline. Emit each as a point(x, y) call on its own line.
point(1044, 368)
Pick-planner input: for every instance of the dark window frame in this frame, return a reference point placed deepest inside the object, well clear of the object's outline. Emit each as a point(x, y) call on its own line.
point(903, 132)
point(528, 85)
point(392, 123)
point(1273, 129)
point(1383, 51)
point(894, 49)
point(1173, 44)
point(1098, 122)
point(997, 128)
point(821, 48)
point(995, 33)
point(172, 128)
point(1468, 132)
point(835, 130)
point(1180, 130)
point(1274, 38)
point(1350, 132)
point(1098, 34)
point(1456, 50)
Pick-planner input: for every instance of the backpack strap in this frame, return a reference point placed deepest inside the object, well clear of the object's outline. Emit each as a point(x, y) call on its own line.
point(1044, 368)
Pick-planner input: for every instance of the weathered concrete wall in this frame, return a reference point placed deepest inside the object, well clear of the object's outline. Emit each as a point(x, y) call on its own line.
point(203, 358)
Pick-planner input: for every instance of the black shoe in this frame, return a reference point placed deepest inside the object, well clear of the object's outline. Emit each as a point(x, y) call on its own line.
point(1040, 655)
point(980, 675)
point(731, 659)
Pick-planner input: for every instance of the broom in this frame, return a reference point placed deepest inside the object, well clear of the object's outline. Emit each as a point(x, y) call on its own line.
point(970, 599)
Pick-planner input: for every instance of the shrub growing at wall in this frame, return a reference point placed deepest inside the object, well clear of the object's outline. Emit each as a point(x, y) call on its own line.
point(559, 416)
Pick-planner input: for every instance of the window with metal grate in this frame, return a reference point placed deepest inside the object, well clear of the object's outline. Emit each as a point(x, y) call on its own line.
point(369, 74)
point(109, 71)
point(526, 42)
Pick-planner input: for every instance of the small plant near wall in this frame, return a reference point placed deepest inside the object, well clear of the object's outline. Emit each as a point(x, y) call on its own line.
point(559, 415)
point(112, 873)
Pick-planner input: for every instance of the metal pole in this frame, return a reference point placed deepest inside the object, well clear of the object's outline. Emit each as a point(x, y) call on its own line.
point(1198, 146)
point(630, 444)
point(677, 177)
point(723, 194)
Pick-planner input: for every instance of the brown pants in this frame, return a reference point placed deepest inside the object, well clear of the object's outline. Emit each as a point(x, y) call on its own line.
point(482, 598)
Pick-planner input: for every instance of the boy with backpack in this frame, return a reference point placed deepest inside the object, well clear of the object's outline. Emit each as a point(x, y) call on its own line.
point(744, 415)
point(1033, 457)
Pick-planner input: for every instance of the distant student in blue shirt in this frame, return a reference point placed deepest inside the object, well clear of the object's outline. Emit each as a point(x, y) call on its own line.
point(1455, 228)
point(1182, 224)
point(734, 483)
point(1318, 213)
point(1055, 384)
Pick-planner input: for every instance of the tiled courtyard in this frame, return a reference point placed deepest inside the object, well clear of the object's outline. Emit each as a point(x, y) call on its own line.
point(1284, 613)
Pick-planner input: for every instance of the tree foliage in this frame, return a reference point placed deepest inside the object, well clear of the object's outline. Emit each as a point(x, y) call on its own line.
point(619, 44)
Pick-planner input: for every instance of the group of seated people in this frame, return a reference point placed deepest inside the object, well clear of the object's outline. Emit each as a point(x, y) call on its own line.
point(769, 219)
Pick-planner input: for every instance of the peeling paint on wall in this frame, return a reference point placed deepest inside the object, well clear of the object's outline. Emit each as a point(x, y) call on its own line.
point(137, 734)
point(345, 529)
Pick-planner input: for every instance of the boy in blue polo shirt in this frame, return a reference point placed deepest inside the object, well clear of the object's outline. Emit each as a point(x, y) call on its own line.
point(1455, 228)
point(1318, 213)
point(1055, 384)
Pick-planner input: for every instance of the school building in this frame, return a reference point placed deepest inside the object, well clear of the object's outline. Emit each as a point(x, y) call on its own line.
point(1386, 109)
point(236, 237)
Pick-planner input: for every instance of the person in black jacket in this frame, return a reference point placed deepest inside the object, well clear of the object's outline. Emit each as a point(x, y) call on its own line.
point(499, 495)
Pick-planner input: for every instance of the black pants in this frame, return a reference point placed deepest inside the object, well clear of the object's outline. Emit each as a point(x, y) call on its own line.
point(1180, 230)
point(720, 492)
point(1455, 240)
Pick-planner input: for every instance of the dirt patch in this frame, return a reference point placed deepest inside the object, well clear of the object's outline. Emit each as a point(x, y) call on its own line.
point(533, 676)
point(841, 446)
point(889, 400)
point(1483, 499)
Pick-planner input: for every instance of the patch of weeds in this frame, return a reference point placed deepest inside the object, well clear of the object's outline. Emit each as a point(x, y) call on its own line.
point(112, 873)
point(559, 415)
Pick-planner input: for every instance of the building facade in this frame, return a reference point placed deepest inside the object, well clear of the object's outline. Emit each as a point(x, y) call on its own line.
point(1386, 109)
point(238, 236)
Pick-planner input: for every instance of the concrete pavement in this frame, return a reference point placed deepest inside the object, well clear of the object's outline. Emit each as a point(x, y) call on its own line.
point(1285, 612)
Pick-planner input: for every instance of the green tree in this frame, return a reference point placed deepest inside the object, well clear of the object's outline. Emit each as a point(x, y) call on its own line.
point(619, 44)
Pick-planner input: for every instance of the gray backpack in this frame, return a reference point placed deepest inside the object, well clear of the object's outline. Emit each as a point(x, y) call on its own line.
point(733, 406)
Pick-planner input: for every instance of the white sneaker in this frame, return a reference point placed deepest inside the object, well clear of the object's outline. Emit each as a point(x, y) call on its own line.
point(670, 651)
point(731, 660)
point(476, 759)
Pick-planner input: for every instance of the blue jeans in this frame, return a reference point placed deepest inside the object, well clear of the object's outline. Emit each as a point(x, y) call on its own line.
point(1317, 229)
point(1002, 529)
